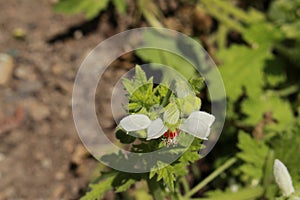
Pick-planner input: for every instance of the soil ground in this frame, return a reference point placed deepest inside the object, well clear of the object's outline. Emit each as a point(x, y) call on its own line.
point(41, 155)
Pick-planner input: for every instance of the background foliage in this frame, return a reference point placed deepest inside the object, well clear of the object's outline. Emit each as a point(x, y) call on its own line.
point(257, 47)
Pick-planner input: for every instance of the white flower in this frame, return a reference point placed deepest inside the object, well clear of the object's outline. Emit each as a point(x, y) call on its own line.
point(197, 124)
point(283, 178)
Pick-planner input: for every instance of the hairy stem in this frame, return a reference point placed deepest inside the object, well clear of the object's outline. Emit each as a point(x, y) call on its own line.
point(211, 177)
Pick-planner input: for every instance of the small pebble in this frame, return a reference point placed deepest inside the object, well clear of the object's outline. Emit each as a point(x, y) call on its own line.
point(79, 154)
point(19, 33)
point(25, 73)
point(38, 111)
point(57, 69)
point(69, 146)
point(6, 68)
point(78, 34)
point(58, 192)
point(46, 163)
point(59, 176)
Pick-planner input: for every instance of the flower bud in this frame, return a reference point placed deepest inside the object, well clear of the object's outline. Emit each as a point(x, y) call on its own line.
point(283, 178)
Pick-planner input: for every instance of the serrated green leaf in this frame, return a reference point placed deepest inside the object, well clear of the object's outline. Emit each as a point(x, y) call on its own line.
point(140, 76)
point(126, 185)
point(243, 67)
point(124, 138)
point(123, 181)
point(128, 85)
point(99, 189)
point(189, 104)
point(254, 154)
point(262, 35)
point(171, 114)
point(167, 174)
point(197, 84)
point(268, 102)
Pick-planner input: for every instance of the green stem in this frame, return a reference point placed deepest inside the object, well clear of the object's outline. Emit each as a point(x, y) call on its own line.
point(155, 189)
point(221, 36)
point(268, 171)
point(211, 177)
point(185, 184)
point(230, 9)
point(288, 91)
point(150, 12)
point(167, 97)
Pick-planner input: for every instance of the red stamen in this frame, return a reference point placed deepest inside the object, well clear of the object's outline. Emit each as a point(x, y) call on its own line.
point(166, 134)
point(170, 134)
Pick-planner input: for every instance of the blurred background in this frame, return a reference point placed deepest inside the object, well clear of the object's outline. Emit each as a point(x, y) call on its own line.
point(42, 44)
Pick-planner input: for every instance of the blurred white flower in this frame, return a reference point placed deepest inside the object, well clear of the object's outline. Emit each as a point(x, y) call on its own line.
point(283, 178)
point(197, 124)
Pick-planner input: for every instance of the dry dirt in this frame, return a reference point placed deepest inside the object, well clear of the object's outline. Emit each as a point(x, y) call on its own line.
point(41, 155)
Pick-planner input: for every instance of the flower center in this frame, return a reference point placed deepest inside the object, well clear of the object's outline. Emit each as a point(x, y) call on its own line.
point(170, 137)
point(170, 134)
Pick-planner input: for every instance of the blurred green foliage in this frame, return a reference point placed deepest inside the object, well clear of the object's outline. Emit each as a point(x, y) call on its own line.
point(90, 8)
point(261, 76)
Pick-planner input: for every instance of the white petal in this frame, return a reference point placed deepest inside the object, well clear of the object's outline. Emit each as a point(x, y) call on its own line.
point(196, 128)
point(204, 116)
point(283, 178)
point(198, 124)
point(156, 129)
point(135, 122)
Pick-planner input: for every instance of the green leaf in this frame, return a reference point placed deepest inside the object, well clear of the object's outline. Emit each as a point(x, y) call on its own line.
point(291, 31)
point(128, 85)
point(197, 84)
point(243, 67)
point(189, 104)
point(171, 114)
point(180, 64)
point(123, 181)
point(275, 72)
point(283, 12)
point(90, 8)
point(98, 190)
point(167, 174)
point(126, 185)
point(140, 76)
point(254, 154)
point(141, 92)
point(124, 138)
point(255, 108)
